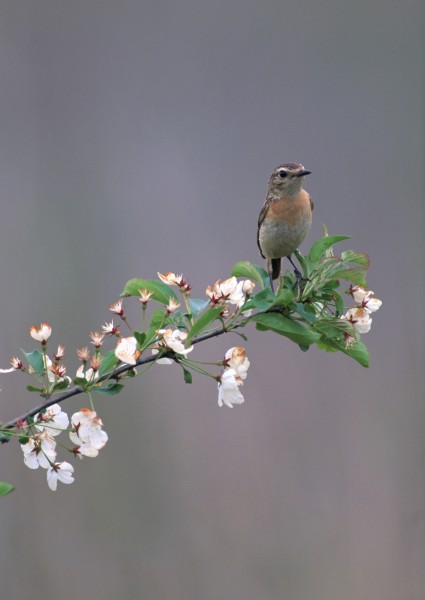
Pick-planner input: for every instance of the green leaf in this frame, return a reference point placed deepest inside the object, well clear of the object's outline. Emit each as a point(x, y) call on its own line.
point(326, 346)
point(357, 258)
point(36, 360)
point(161, 291)
point(5, 436)
point(284, 298)
point(158, 318)
point(61, 385)
point(204, 320)
point(357, 276)
point(140, 338)
point(187, 375)
point(198, 305)
point(339, 304)
point(109, 390)
point(319, 247)
point(253, 272)
point(32, 388)
point(261, 301)
point(360, 353)
point(5, 488)
point(303, 262)
point(150, 336)
point(310, 317)
point(108, 363)
point(286, 326)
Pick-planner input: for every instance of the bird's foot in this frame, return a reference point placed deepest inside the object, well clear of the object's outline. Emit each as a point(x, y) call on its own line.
point(299, 281)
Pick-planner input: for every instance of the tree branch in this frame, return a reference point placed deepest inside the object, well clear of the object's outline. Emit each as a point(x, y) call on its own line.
point(76, 390)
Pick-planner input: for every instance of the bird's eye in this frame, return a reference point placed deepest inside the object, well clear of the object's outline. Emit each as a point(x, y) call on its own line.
point(282, 174)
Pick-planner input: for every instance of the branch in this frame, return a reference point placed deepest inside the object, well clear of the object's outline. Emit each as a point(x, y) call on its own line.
point(76, 390)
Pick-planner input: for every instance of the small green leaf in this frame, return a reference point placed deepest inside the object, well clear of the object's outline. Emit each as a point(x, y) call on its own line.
point(150, 335)
point(32, 388)
point(319, 247)
point(140, 338)
point(5, 436)
point(204, 320)
point(36, 360)
point(109, 390)
point(339, 304)
point(286, 326)
point(108, 363)
point(198, 305)
point(187, 375)
point(5, 488)
point(161, 291)
point(61, 385)
point(304, 262)
point(253, 272)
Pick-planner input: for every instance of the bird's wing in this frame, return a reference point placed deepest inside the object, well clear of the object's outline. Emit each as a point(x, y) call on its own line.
point(311, 204)
point(261, 218)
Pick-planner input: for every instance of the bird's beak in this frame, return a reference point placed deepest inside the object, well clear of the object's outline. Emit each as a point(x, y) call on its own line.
point(303, 172)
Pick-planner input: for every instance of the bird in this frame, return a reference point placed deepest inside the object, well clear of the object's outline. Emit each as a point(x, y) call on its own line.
point(285, 218)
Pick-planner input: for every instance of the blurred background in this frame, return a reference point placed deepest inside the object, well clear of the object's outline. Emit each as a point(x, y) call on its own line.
point(139, 136)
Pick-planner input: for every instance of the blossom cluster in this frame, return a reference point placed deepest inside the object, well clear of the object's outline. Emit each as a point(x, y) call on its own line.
point(230, 291)
point(40, 434)
point(360, 315)
point(224, 294)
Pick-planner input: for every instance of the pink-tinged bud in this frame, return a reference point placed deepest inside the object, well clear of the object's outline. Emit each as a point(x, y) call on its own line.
point(145, 296)
point(60, 352)
point(97, 338)
point(83, 354)
point(118, 309)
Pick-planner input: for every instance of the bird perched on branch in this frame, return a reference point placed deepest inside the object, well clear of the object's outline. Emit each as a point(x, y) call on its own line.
point(285, 218)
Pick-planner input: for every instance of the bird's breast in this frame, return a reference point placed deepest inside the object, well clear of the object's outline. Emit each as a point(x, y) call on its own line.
point(285, 225)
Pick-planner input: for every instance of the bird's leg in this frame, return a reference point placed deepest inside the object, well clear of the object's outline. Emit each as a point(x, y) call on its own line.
point(298, 276)
point(269, 271)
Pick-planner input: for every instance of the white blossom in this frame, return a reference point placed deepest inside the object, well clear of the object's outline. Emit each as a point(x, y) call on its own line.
point(237, 359)
point(175, 341)
point(42, 333)
point(89, 375)
point(54, 420)
point(87, 432)
point(39, 451)
point(63, 472)
point(228, 389)
point(365, 298)
point(360, 318)
point(126, 350)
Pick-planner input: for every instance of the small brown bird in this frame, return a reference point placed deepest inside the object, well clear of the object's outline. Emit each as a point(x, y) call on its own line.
point(285, 218)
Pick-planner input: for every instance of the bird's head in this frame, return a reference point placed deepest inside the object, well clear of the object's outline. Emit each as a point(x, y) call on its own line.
point(287, 179)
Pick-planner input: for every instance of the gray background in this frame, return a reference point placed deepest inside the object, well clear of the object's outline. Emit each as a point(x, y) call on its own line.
point(139, 136)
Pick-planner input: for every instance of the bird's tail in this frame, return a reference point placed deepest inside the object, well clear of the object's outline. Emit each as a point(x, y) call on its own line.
point(275, 267)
